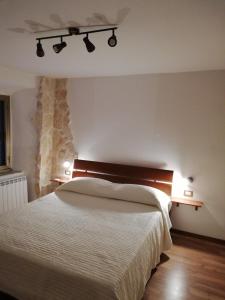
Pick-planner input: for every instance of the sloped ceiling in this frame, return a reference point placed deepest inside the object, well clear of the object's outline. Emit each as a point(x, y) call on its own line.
point(154, 36)
point(12, 80)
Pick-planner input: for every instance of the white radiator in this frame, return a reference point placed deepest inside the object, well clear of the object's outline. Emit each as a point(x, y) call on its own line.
point(13, 193)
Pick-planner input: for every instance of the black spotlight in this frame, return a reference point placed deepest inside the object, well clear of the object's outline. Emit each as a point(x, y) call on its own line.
point(58, 47)
point(90, 47)
point(112, 41)
point(40, 52)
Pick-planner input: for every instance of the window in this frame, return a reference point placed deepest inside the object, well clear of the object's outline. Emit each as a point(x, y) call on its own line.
point(4, 133)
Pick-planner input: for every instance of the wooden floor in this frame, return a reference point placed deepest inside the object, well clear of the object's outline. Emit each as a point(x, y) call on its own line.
point(193, 269)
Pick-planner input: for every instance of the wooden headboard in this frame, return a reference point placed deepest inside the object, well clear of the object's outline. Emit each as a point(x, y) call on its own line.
point(158, 178)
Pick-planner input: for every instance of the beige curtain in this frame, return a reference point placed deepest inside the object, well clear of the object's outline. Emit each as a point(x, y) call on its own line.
point(54, 133)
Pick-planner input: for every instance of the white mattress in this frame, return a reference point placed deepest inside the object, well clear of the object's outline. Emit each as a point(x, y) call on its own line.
point(73, 246)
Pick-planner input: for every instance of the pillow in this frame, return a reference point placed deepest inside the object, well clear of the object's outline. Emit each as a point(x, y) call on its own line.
point(87, 185)
point(127, 192)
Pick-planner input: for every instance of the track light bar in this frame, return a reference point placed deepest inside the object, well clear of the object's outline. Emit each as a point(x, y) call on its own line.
point(112, 41)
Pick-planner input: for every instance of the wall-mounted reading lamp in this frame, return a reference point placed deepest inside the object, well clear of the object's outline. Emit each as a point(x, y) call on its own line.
point(112, 41)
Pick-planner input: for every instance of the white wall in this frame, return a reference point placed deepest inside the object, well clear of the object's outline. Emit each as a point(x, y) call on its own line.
point(170, 121)
point(21, 86)
point(23, 107)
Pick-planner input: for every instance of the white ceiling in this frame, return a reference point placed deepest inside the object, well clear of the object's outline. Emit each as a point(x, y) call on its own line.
point(154, 36)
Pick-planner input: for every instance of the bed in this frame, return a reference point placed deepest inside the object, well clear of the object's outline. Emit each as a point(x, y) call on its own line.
point(97, 237)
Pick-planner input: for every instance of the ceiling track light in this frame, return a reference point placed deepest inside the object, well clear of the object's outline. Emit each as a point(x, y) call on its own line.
point(58, 47)
point(90, 47)
point(112, 41)
point(40, 52)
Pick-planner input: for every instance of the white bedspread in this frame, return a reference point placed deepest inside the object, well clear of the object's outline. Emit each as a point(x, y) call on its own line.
point(73, 246)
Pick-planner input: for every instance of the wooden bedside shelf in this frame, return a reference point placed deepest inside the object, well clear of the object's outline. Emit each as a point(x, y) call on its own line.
point(185, 201)
point(59, 180)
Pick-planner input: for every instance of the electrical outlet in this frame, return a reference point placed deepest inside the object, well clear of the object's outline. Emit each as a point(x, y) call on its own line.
point(188, 193)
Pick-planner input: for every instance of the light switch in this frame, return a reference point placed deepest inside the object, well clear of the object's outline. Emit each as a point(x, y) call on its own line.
point(67, 172)
point(188, 193)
